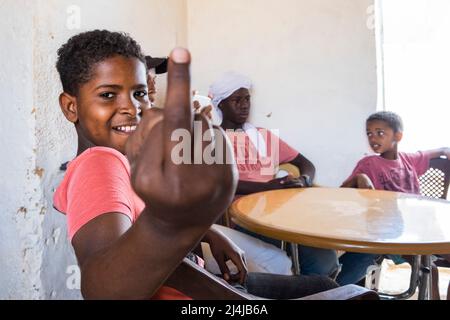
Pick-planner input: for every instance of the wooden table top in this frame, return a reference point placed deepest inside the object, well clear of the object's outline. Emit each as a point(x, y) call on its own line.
point(354, 220)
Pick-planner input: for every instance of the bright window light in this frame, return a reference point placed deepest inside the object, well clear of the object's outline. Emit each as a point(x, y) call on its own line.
point(414, 40)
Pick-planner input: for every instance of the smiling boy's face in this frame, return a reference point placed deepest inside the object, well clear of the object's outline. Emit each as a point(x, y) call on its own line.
point(107, 107)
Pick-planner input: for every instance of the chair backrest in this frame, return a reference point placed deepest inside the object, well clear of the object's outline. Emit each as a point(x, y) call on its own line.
point(434, 183)
point(199, 284)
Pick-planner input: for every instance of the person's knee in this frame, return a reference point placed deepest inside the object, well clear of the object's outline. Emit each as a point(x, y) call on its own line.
point(318, 261)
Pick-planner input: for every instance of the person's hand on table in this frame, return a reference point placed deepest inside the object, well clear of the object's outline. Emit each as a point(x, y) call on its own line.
point(286, 183)
point(364, 182)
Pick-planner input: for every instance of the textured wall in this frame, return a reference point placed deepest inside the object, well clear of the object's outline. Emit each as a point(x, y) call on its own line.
point(313, 64)
point(21, 200)
point(36, 259)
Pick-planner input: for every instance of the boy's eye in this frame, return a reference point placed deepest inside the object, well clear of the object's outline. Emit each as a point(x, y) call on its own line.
point(369, 134)
point(381, 133)
point(140, 94)
point(107, 95)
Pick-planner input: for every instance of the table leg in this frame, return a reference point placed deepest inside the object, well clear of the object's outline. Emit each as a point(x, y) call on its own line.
point(294, 257)
point(425, 279)
point(283, 245)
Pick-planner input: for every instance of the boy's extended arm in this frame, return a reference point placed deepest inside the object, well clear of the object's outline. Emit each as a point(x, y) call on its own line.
point(123, 261)
point(436, 153)
point(249, 187)
point(131, 262)
point(360, 181)
point(305, 166)
point(349, 183)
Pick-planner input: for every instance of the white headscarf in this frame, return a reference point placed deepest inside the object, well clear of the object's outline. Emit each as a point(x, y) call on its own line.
point(224, 87)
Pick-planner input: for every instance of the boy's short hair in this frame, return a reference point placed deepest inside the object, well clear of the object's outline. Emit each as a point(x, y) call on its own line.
point(77, 57)
point(393, 120)
point(159, 64)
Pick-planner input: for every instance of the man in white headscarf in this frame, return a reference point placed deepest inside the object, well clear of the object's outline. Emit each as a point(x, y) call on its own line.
point(258, 153)
point(231, 100)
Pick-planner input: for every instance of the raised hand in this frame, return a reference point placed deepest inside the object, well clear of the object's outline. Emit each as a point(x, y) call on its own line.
point(180, 195)
point(206, 111)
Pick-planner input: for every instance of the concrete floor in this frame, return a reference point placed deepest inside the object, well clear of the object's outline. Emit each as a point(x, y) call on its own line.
point(395, 279)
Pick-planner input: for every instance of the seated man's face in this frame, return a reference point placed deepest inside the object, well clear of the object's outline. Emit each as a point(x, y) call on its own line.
point(236, 108)
point(109, 103)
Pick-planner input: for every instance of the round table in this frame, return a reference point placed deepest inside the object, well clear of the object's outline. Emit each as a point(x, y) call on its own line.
point(356, 220)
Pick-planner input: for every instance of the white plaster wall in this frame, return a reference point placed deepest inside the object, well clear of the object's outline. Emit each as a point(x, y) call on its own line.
point(20, 251)
point(38, 139)
point(313, 64)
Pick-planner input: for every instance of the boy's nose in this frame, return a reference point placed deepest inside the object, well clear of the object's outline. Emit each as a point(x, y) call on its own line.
point(130, 107)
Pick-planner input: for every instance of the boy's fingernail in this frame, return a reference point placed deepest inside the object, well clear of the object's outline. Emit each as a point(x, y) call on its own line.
point(180, 55)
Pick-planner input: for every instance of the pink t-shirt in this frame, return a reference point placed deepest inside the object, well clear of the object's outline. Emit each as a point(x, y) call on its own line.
point(98, 182)
point(401, 175)
point(253, 166)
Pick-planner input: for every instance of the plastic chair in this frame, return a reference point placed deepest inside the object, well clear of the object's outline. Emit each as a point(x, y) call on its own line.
point(434, 183)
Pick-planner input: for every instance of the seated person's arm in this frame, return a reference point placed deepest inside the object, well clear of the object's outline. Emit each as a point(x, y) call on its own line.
point(307, 169)
point(123, 261)
point(224, 249)
point(436, 153)
point(249, 187)
point(360, 181)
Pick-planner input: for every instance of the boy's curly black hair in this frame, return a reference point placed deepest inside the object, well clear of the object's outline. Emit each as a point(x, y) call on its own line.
point(77, 57)
point(393, 120)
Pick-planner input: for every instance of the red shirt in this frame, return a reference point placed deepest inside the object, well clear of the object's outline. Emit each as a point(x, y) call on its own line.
point(98, 182)
point(401, 175)
point(253, 166)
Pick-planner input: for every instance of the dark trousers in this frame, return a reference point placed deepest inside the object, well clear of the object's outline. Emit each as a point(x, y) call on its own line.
point(275, 286)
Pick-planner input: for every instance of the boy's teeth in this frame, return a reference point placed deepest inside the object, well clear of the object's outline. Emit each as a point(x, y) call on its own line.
point(126, 128)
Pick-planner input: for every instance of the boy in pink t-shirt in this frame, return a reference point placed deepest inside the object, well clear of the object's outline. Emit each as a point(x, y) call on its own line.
point(390, 169)
point(133, 213)
point(116, 234)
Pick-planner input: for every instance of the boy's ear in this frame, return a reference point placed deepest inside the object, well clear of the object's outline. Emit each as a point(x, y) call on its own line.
point(68, 104)
point(398, 136)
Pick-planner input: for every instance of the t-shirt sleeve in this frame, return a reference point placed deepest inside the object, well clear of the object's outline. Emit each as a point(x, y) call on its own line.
point(286, 152)
point(420, 160)
point(361, 167)
point(100, 184)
